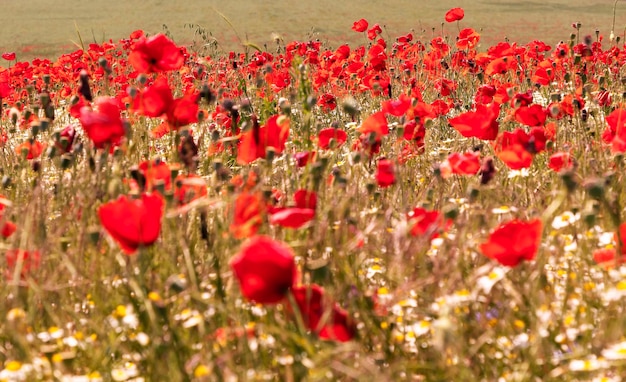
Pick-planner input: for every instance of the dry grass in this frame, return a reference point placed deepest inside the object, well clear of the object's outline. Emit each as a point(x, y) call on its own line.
point(39, 28)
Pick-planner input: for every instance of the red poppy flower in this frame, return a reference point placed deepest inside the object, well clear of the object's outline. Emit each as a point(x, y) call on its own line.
point(248, 215)
point(154, 100)
point(463, 163)
point(183, 111)
point(561, 160)
point(445, 87)
point(265, 269)
point(103, 124)
point(10, 56)
point(325, 318)
point(360, 25)
point(455, 14)
point(607, 257)
point(385, 174)
point(33, 149)
point(325, 136)
point(155, 54)
point(468, 39)
point(303, 158)
point(66, 139)
point(426, 222)
point(188, 188)
point(374, 31)
point(375, 123)
point(76, 106)
point(133, 223)
point(327, 102)
point(440, 107)
point(8, 228)
point(515, 156)
point(481, 123)
point(514, 241)
point(615, 132)
point(305, 199)
point(516, 148)
point(604, 98)
point(499, 65)
point(397, 107)
point(292, 217)
point(534, 115)
point(414, 131)
point(254, 142)
point(30, 260)
point(154, 171)
point(485, 94)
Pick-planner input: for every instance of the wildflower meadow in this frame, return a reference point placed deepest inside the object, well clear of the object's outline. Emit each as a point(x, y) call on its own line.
point(411, 208)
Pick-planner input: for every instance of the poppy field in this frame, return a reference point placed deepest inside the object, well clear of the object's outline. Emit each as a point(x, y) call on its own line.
point(412, 208)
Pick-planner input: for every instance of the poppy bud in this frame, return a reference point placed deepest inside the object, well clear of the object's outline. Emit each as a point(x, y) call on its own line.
point(595, 188)
point(569, 180)
point(311, 101)
point(590, 212)
point(341, 182)
point(451, 212)
point(49, 116)
point(65, 243)
point(177, 283)
point(188, 152)
point(487, 170)
point(113, 187)
point(84, 88)
point(270, 154)
point(93, 234)
point(6, 181)
point(34, 130)
point(245, 105)
point(142, 79)
point(159, 186)
point(472, 193)
point(350, 106)
point(51, 152)
point(44, 124)
point(228, 105)
point(207, 94)
point(66, 161)
point(285, 106)
point(132, 91)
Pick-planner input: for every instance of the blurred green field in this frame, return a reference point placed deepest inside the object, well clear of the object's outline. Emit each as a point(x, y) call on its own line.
point(43, 28)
